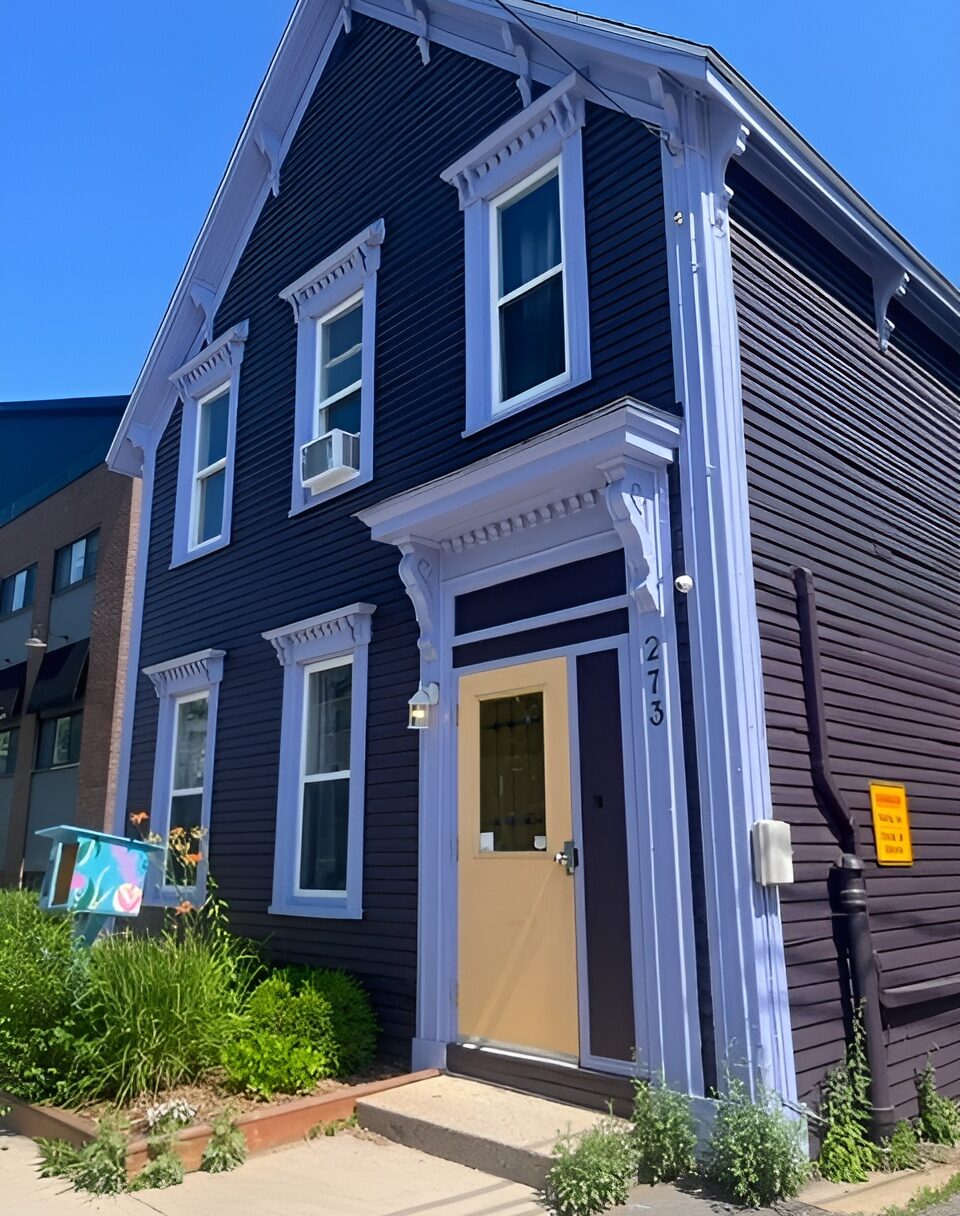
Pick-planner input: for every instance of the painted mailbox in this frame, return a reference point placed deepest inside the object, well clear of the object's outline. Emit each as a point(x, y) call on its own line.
point(93, 873)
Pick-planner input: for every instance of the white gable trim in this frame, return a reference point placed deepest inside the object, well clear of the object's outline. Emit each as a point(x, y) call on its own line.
point(634, 69)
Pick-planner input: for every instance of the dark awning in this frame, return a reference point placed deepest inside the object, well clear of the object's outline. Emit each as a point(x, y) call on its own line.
point(61, 677)
point(12, 679)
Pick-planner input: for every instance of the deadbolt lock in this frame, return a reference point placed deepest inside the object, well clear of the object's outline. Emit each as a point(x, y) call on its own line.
point(568, 857)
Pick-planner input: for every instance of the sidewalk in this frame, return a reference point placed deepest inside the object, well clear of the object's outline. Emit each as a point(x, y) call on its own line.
point(331, 1176)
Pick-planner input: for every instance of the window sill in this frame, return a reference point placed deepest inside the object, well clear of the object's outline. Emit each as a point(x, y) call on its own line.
point(8, 616)
point(316, 911)
point(184, 559)
point(553, 389)
point(81, 582)
point(316, 500)
point(56, 768)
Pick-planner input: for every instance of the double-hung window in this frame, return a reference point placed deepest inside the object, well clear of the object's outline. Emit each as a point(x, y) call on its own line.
point(527, 307)
point(318, 860)
point(334, 306)
point(16, 592)
point(58, 741)
point(76, 562)
point(209, 387)
point(188, 690)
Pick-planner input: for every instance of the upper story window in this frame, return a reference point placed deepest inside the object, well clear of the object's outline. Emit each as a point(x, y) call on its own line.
point(8, 750)
point(16, 592)
point(527, 307)
point(58, 742)
point(318, 860)
point(188, 689)
point(76, 562)
point(334, 305)
point(208, 386)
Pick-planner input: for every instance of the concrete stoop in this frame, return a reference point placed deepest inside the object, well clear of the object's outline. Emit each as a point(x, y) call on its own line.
point(503, 1133)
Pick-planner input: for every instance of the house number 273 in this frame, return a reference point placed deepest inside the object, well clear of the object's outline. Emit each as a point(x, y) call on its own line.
point(651, 658)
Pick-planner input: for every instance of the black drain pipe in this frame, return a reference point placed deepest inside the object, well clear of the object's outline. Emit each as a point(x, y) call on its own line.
point(847, 873)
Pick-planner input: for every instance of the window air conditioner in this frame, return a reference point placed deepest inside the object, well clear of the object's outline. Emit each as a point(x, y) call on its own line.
point(329, 460)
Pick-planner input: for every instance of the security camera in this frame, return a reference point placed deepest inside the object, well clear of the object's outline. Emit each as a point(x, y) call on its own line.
point(683, 583)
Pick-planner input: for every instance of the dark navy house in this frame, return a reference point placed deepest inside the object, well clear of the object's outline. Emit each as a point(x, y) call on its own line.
point(549, 561)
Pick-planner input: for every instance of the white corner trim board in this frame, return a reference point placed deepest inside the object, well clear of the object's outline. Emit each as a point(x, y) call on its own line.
point(748, 972)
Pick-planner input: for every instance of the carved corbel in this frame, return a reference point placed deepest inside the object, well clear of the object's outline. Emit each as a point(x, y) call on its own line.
point(630, 498)
point(515, 47)
point(728, 138)
point(419, 14)
point(346, 17)
point(204, 298)
point(888, 281)
point(269, 145)
point(420, 574)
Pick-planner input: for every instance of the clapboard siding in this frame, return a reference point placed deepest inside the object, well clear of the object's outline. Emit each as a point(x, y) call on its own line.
point(372, 143)
point(852, 469)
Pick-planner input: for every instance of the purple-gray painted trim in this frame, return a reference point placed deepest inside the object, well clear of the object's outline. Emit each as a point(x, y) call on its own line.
point(748, 973)
point(345, 631)
point(216, 365)
point(350, 270)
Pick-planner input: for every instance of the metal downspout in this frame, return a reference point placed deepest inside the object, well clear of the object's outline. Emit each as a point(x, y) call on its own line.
point(847, 872)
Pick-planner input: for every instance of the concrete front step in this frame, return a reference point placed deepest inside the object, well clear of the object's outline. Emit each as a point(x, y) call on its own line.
point(503, 1133)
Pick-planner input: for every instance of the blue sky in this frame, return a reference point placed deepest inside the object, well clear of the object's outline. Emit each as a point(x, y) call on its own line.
point(118, 118)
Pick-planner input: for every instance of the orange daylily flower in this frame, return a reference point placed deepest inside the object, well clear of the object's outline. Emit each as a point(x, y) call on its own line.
point(182, 908)
point(139, 817)
point(194, 859)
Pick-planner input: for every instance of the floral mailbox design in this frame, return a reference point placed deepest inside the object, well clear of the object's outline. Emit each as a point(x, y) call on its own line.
point(95, 873)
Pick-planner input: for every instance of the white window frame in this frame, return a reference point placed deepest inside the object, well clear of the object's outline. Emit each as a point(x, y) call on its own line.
point(547, 135)
point(176, 681)
point(214, 370)
point(302, 648)
point(317, 297)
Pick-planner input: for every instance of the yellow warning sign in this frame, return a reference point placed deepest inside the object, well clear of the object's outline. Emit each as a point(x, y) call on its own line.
point(891, 825)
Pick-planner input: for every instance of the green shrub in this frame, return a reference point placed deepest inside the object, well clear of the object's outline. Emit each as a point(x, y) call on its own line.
point(664, 1137)
point(939, 1118)
point(288, 1043)
point(755, 1154)
point(847, 1152)
point(354, 1022)
point(592, 1173)
point(163, 1170)
point(41, 976)
point(901, 1151)
point(157, 1011)
point(99, 1167)
point(226, 1148)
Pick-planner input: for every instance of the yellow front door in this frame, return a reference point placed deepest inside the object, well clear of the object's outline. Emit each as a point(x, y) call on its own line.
point(517, 960)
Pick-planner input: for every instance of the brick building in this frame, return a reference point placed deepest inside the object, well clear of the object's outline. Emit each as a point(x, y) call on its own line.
point(66, 529)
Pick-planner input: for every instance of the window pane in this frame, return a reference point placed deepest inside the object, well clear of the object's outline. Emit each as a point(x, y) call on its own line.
point(328, 720)
point(343, 415)
point(19, 590)
point(93, 550)
point(185, 811)
point(323, 839)
point(76, 726)
point(531, 338)
point(191, 744)
point(30, 586)
point(213, 431)
point(512, 798)
point(78, 553)
point(61, 741)
point(8, 751)
point(210, 508)
point(530, 235)
point(340, 355)
point(61, 573)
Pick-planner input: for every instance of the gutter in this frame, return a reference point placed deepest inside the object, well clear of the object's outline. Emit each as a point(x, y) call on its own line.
point(846, 883)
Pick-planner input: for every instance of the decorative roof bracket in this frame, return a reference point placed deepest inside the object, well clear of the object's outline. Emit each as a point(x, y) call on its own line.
point(269, 144)
point(419, 14)
point(516, 48)
point(889, 280)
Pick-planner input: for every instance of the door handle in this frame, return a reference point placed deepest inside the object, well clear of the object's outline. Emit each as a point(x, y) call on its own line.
point(568, 857)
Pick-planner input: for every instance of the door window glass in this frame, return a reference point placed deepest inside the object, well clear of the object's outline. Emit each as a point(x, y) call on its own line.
point(512, 798)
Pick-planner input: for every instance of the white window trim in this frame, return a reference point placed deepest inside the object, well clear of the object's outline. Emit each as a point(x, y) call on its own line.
point(175, 681)
point(548, 132)
point(199, 381)
point(348, 273)
point(303, 647)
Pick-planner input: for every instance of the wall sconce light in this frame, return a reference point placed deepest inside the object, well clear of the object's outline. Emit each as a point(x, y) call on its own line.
point(420, 704)
point(36, 642)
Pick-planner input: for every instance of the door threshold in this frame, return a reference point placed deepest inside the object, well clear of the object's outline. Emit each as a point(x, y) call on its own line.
point(516, 1053)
